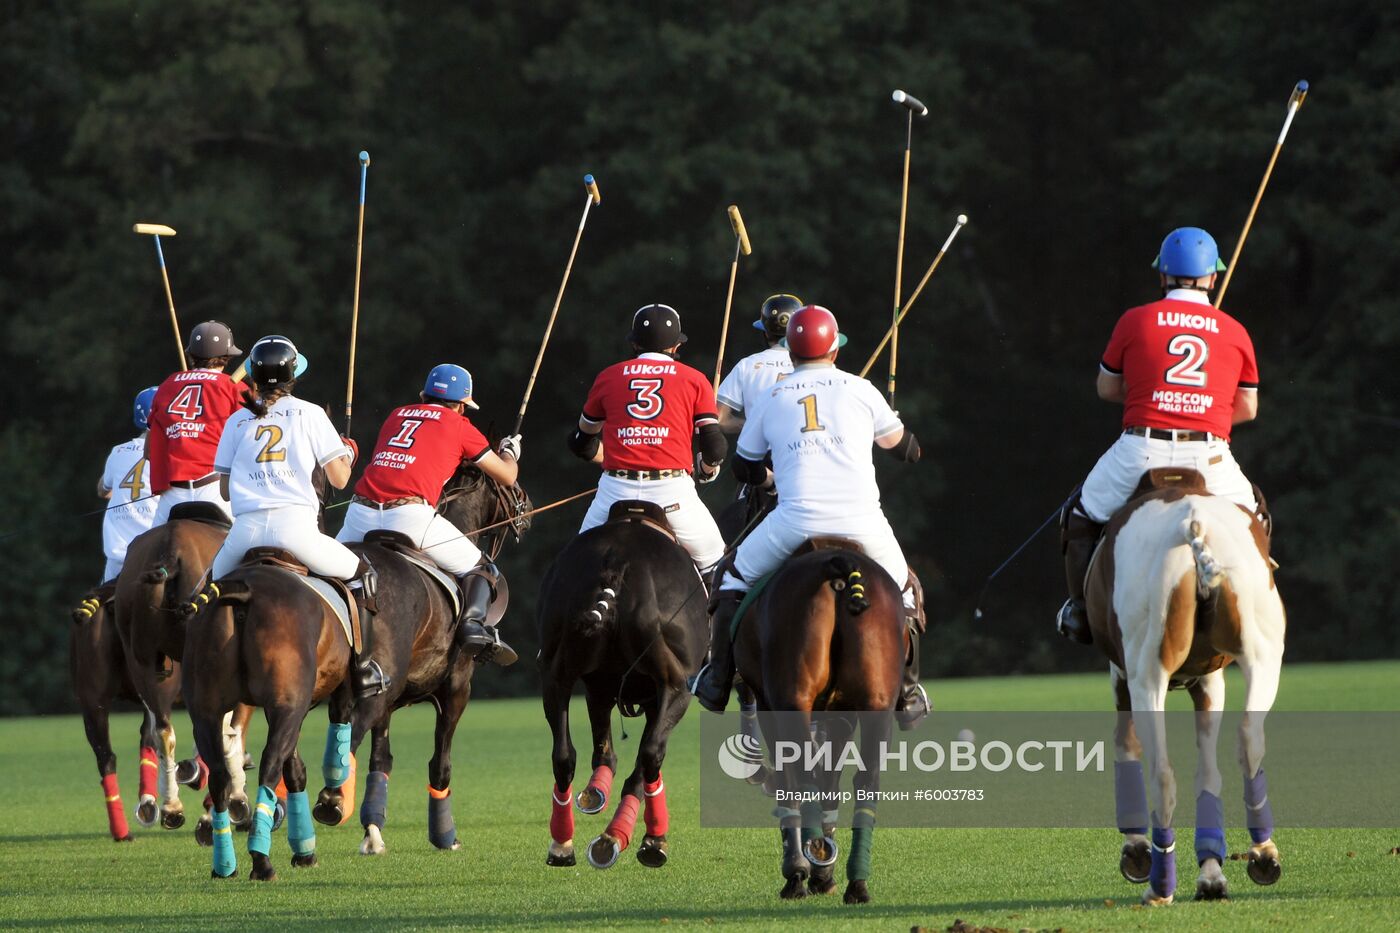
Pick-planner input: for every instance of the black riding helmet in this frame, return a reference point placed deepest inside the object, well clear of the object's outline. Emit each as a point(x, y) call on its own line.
point(656, 328)
point(272, 362)
point(773, 316)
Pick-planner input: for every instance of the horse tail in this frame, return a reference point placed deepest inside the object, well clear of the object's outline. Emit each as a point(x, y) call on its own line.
point(602, 607)
point(843, 575)
point(1209, 572)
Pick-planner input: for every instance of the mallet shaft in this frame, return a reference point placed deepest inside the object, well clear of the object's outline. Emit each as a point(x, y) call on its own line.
point(355, 303)
point(899, 262)
point(889, 334)
point(170, 301)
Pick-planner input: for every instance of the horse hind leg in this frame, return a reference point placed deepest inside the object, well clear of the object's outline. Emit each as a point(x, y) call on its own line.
point(1208, 696)
point(819, 832)
point(563, 758)
point(594, 797)
point(452, 701)
point(374, 810)
point(172, 811)
point(301, 830)
point(207, 738)
point(283, 728)
point(1149, 693)
point(95, 725)
point(654, 851)
point(1129, 791)
point(338, 759)
point(1261, 677)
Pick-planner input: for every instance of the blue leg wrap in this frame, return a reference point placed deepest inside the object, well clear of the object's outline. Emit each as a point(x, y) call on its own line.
point(1210, 828)
point(1130, 794)
point(376, 800)
point(260, 835)
point(301, 832)
point(1258, 813)
point(335, 764)
point(1162, 878)
point(225, 860)
point(442, 831)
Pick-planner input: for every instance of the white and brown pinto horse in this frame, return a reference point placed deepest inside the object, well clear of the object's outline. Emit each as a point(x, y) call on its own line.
point(1182, 585)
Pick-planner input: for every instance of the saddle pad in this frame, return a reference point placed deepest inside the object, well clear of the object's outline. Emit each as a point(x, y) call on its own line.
point(331, 598)
point(444, 579)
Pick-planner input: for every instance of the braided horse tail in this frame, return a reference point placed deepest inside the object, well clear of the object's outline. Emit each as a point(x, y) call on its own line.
point(845, 579)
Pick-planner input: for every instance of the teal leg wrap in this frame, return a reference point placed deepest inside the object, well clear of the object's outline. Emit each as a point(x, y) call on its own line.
point(225, 860)
point(858, 862)
point(260, 835)
point(301, 832)
point(335, 764)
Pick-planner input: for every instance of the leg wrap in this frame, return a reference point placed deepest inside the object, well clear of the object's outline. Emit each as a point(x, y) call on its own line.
point(260, 834)
point(561, 815)
point(1162, 878)
point(811, 811)
point(1258, 813)
point(150, 772)
point(601, 781)
point(442, 831)
point(624, 821)
point(1131, 797)
point(225, 860)
point(658, 819)
point(116, 819)
point(376, 800)
point(1210, 828)
point(862, 840)
point(301, 832)
point(335, 764)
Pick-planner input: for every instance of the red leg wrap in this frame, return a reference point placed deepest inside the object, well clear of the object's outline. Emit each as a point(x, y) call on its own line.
point(149, 771)
point(658, 820)
point(561, 815)
point(624, 821)
point(602, 779)
point(203, 774)
point(116, 819)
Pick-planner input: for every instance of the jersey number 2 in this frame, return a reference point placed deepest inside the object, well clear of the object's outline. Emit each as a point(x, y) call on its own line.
point(270, 452)
point(133, 481)
point(1194, 352)
point(188, 405)
point(649, 402)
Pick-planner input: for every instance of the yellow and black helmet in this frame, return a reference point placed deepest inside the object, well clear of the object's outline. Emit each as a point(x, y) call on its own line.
point(773, 316)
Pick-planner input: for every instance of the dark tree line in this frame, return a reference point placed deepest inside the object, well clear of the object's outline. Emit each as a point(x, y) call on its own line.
point(1074, 135)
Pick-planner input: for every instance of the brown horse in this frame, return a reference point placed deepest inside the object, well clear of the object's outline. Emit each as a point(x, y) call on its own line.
point(163, 566)
point(826, 635)
point(414, 645)
point(622, 609)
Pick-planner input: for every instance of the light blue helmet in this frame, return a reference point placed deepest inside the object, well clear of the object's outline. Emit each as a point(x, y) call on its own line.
point(451, 383)
point(141, 408)
point(1188, 253)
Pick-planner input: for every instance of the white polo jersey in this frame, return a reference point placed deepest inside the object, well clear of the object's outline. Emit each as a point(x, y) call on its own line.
point(270, 460)
point(131, 508)
point(820, 424)
point(751, 378)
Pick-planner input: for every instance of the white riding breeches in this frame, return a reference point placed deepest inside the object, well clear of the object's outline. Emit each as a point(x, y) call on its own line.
point(439, 538)
point(177, 494)
point(110, 571)
point(1119, 470)
point(292, 529)
point(692, 523)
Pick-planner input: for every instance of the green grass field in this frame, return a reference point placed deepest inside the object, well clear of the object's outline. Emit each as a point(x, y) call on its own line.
point(59, 869)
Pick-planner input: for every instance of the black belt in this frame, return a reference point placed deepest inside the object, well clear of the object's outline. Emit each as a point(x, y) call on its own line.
point(1170, 434)
point(195, 483)
point(647, 474)
point(391, 504)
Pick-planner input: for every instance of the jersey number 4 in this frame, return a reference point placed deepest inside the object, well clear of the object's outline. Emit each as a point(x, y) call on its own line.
point(649, 402)
point(134, 480)
point(188, 405)
point(1194, 352)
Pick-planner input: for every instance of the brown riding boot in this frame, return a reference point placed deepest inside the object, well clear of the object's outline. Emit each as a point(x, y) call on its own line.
point(716, 679)
point(1079, 537)
point(473, 633)
point(366, 676)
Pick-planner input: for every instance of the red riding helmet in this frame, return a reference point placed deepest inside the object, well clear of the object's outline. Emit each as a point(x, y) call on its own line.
point(812, 332)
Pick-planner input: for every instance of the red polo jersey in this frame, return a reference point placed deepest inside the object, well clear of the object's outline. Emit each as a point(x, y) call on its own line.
point(187, 419)
point(418, 450)
point(649, 408)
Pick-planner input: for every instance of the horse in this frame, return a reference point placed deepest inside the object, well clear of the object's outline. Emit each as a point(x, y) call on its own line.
point(1180, 586)
point(621, 608)
point(824, 637)
point(162, 566)
point(414, 645)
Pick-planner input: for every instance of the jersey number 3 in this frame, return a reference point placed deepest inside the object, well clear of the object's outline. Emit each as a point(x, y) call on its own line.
point(649, 402)
point(1194, 352)
point(188, 405)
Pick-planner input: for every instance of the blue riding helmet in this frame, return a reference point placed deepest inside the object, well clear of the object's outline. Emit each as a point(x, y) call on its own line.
point(451, 383)
point(1188, 253)
point(141, 408)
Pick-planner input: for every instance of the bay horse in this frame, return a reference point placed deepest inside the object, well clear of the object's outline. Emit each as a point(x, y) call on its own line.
point(162, 566)
point(621, 608)
point(824, 637)
point(1181, 585)
point(414, 645)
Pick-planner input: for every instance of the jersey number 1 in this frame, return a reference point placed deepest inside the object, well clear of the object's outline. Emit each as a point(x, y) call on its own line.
point(404, 438)
point(809, 412)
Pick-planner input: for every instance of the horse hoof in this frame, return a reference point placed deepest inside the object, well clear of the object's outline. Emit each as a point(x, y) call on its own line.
point(591, 800)
point(1135, 862)
point(127, 838)
point(652, 852)
point(187, 773)
point(373, 843)
point(1212, 891)
point(147, 812)
point(240, 814)
point(232, 874)
point(821, 852)
point(304, 861)
point(1151, 898)
point(204, 831)
point(604, 852)
point(1263, 869)
point(172, 819)
point(279, 815)
point(262, 869)
point(247, 762)
point(561, 855)
point(328, 807)
point(856, 893)
point(821, 882)
point(795, 888)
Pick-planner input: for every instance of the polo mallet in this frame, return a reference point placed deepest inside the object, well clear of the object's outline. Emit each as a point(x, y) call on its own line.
point(592, 198)
point(156, 231)
point(741, 245)
point(894, 328)
point(977, 611)
point(913, 105)
point(355, 302)
point(1295, 101)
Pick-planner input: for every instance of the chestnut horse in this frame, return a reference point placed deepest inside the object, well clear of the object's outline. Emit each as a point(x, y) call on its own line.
point(414, 646)
point(622, 608)
point(1181, 585)
point(826, 635)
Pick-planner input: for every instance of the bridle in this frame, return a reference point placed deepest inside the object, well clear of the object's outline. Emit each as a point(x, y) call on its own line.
point(509, 504)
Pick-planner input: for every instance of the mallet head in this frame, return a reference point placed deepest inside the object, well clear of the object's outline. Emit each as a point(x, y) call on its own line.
point(153, 229)
point(592, 187)
point(1300, 90)
point(364, 157)
point(913, 103)
point(737, 222)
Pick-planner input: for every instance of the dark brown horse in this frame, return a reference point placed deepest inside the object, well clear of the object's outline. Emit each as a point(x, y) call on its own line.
point(622, 609)
point(414, 645)
point(162, 567)
point(826, 635)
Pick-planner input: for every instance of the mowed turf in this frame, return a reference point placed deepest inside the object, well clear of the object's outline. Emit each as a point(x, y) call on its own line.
point(59, 869)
